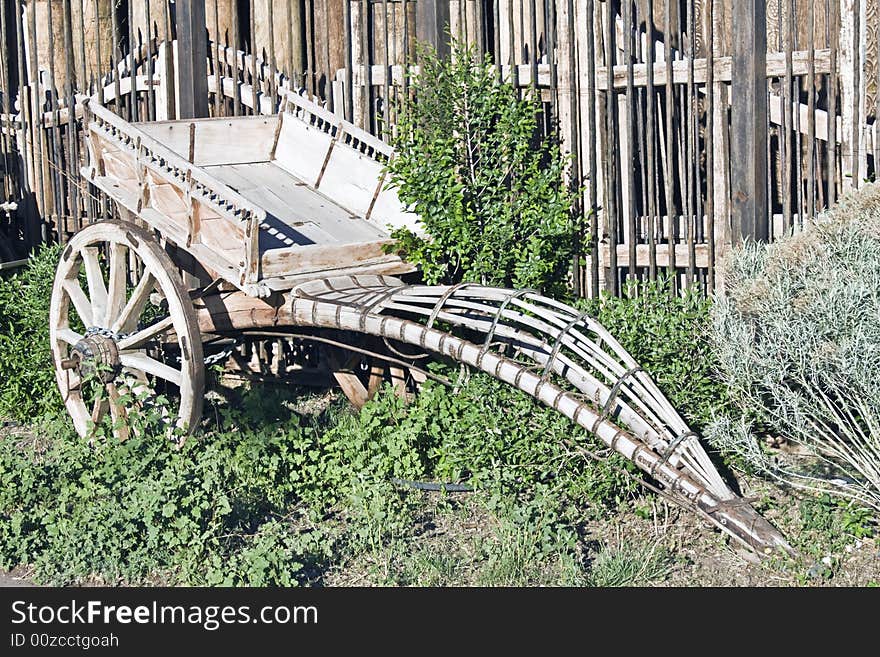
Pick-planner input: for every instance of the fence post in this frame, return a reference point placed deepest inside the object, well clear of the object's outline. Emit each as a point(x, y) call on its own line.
point(432, 24)
point(748, 135)
point(852, 93)
point(192, 51)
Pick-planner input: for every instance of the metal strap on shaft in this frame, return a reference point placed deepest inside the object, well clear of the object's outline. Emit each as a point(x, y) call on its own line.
point(377, 305)
point(558, 344)
point(491, 333)
point(442, 301)
point(612, 395)
point(664, 457)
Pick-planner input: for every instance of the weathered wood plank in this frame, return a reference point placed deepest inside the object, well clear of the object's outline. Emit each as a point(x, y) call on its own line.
point(192, 60)
point(748, 134)
point(643, 255)
point(225, 140)
point(304, 259)
point(722, 69)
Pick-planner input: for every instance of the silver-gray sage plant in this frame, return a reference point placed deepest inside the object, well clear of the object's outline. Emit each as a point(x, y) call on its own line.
point(796, 331)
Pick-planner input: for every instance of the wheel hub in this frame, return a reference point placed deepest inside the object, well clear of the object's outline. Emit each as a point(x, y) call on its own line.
point(97, 356)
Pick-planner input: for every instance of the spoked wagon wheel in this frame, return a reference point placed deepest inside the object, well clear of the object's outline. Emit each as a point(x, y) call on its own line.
point(123, 331)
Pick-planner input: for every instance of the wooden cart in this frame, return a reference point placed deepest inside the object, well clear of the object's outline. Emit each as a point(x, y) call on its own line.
point(256, 204)
point(276, 228)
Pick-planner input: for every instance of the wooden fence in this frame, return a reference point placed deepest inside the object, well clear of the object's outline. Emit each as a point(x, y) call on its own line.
point(692, 123)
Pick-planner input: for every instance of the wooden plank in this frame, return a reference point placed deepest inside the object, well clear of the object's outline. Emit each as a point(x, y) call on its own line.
point(628, 141)
point(295, 212)
point(610, 154)
point(304, 259)
point(720, 218)
point(811, 113)
point(748, 134)
point(650, 139)
point(350, 179)
point(221, 140)
point(692, 158)
point(432, 18)
point(722, 69)
point(192, 61)
point(849, 57)
point(301, 149)
point(668, 157)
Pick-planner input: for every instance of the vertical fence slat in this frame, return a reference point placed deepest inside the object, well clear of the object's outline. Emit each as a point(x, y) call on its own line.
point(811, 109)
point(366, 76)
point(627, 165)
point(592, 126)
point(72, 164)
point(651, 138)
point(749, 122)
point(709, 40)
point(236, 45)
point(386, 64)
point(215, 58)
point(832, 174)
point(254, 61)
point(54, 121)
point(669, 159)
point(611, 153)
point(692, 158)
point(130, 59)
point(6, 140)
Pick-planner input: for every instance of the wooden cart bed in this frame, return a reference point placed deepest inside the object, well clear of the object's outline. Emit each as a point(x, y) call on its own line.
point(262, 201)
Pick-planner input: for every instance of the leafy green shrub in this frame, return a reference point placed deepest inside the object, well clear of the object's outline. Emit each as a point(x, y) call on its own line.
point(491, 194)
point(797, 338)
point(28, 381)
point(143, 506)
point(499, 440)
point(668, 335)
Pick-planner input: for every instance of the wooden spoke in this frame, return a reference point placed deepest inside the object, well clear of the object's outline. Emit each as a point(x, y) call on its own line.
point(117, 413)
point(69, 336)
point(116, 287)
point(79, 300)
point(140, 361)
point(99, 409)
point(95, 280)
point(398, 380)
point(127, 319)
point(356, 391)
point(144, 335)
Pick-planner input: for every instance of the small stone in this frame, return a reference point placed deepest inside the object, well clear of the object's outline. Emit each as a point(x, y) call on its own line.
point(826, 560)
point(815, 571)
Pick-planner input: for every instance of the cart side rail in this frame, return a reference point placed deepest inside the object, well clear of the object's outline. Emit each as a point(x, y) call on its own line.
point(315, 115)
point(350, 167)
point(196, 186)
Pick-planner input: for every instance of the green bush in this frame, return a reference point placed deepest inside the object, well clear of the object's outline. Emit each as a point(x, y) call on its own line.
point(490, 192)
point(28, 381)
point(126, 511)
point(797, 338)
